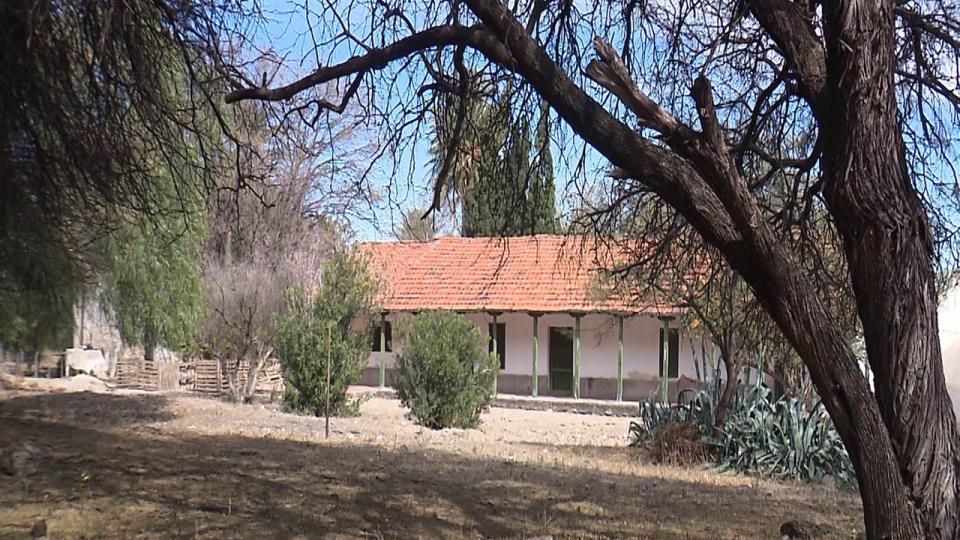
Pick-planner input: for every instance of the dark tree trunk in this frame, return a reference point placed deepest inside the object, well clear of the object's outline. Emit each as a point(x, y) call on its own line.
point(731, 365)
point(889, 252)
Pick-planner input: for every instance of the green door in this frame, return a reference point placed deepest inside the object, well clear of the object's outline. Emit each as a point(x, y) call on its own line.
point(561, 359)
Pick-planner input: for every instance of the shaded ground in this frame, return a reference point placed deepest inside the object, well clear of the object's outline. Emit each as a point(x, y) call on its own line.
point(162, 466)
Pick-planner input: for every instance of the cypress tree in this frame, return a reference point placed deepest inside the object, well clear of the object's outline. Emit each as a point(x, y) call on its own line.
point(542, 197)
point(508, 194)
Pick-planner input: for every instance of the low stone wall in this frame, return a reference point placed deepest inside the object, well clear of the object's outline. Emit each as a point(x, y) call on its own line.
point(590, 387)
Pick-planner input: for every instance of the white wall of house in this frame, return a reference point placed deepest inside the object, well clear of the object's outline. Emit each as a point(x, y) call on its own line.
point(949, 322)
point(598, 350)
point(598, 344)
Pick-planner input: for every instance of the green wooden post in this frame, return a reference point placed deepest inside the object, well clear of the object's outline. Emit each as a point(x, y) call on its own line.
point(576, 356)
point(495, 354)
point(665, 362)
point(536, 355)
point(383, 348)
point(620, 359)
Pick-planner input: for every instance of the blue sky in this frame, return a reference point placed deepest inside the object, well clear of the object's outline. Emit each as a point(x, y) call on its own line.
point(286, 32)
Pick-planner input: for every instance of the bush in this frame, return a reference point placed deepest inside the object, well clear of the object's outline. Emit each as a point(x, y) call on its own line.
point(678, 443)
point(444, 374)
point(783, 439)
point(329, 326)
point(778, 438)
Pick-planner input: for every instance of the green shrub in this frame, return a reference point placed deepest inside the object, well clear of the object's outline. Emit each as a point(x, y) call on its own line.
point(782, 438)
point(778, 438)
point(332, 325)
point(444, 374)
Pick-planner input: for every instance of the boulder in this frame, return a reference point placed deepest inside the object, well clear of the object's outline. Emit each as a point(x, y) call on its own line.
point(19, 459)
point(90, 361)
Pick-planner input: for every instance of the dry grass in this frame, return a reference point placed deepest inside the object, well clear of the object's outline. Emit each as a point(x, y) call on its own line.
point(678, 444)
point(169, 466)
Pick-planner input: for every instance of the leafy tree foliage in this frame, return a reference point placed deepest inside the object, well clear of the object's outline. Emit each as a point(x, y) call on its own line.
point(38, 314)
point(106, 121)
point(444, 373)
point(324, 332)
point(501, 192)
point(541, 196)
point(153, 284)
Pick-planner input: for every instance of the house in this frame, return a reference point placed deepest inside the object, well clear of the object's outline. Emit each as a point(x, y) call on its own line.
point(949, 324)
point(557, 329)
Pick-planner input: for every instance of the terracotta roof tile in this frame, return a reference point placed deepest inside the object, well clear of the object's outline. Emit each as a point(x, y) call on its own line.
point(541, 273)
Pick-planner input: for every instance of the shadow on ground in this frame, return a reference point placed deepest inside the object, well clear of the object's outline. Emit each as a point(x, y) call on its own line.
point(108, 470)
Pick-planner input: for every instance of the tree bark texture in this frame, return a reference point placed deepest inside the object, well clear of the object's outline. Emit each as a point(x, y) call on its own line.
point(889, 251)
point(907, 481)
point(731, 365)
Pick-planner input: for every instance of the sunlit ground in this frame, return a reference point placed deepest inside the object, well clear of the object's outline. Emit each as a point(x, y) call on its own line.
point(174, 465)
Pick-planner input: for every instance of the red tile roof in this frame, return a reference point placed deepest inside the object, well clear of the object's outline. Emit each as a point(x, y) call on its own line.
point(542, 273)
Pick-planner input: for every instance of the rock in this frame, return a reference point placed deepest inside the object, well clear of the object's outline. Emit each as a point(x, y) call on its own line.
point(19, 459)
point(39, 529)
point(89, 361)
point(802, 530)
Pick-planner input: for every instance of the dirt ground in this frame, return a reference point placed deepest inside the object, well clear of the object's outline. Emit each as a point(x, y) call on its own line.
point(147, 465)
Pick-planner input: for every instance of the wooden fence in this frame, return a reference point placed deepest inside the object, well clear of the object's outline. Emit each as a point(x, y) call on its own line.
point(191, 374)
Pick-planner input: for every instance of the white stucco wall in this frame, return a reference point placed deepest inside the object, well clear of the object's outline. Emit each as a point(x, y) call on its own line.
point(598, 350)
point(949, 322)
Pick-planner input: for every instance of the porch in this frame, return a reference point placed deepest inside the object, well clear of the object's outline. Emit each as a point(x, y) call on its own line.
point(609, 357)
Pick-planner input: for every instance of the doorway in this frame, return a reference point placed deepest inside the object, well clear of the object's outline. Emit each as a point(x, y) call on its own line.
point(561, 359)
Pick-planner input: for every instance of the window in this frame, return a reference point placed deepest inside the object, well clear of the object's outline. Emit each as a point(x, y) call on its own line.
point(673, 347)
point(501, 342)
point(375, 338)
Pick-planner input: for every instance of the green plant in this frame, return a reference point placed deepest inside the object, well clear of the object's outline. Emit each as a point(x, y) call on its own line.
point(444, 374)
point(697, 408)
point(779, 438)
point(328, 328)
point(782, 438)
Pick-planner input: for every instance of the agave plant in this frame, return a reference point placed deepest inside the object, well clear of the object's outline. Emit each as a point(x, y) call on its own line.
point(781, 438)
point(778, 438)
point(693, 407)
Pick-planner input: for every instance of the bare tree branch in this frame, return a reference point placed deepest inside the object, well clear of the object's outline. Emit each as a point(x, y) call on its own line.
point(439, 36)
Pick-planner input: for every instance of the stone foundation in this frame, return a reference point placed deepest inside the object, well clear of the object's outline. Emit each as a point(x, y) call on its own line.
point(590, 387)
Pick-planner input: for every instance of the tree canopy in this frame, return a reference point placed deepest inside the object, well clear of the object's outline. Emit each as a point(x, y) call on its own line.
point(108, 136)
